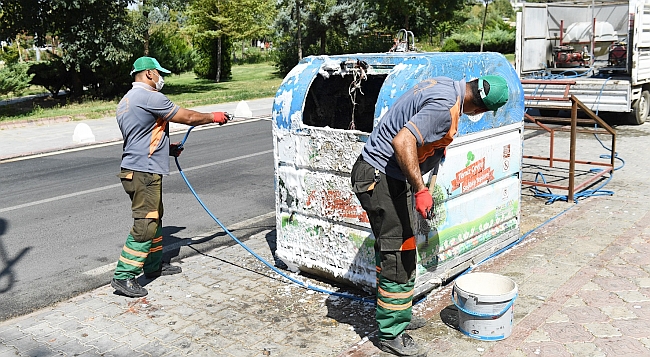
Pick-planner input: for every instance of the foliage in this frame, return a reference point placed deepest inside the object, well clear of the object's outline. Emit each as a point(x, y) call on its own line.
point(255, 55)
point(494, 41)
point(14, 78)
point(216, 24)
point(96, 34)
point(494, 20)
point(93, 34)
point(249, 19)
point(171, 48)
point(503, 8)
point(248, 82)
point(430, 18)
point(498, 36)
point(52, 75)
point(9, 54)
point(327, 27)
point(18, 16)
point(450, 45)
point(206, 58)
point(207, 22)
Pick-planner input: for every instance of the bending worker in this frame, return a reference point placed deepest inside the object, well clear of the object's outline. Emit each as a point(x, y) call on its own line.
point(143, 116)
point(409, 141)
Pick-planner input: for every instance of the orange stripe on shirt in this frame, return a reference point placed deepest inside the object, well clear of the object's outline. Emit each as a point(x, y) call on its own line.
point(418, 130)
point(170, 112)
point(159, 130)
point(426, 151)
point(408, 244)
point(156, 249)
point(157, 134)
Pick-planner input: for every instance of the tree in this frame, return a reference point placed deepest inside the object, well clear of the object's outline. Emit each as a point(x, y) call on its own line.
point(251, 19)
point(440, 17)
point(208, 20)
point(18, 16)
point(504, 9)
point(485, 12)
point(171, 48)
point(14, 78)
point(325, 27)
point(419, 16)
point(94, 35)
point(154, 12)
point(398, 14)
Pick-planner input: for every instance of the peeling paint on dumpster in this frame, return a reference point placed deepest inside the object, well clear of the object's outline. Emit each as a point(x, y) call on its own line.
point(322, 115)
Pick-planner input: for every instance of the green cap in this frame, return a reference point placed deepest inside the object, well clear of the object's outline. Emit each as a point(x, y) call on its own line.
point(498, 93)
point(144, 63)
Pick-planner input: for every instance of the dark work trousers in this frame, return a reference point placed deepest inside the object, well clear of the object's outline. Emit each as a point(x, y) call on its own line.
point(143, 249)
point(387, 201)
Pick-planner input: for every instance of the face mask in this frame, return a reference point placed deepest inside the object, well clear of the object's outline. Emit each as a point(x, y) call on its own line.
point(160, 83)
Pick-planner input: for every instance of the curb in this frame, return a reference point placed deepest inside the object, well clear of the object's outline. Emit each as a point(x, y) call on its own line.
point(13, 124)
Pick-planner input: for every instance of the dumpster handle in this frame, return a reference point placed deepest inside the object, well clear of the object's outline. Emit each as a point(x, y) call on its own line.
point(293, 280)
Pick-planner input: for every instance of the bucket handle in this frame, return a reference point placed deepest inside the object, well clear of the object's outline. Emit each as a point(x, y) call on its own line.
point(478, 314)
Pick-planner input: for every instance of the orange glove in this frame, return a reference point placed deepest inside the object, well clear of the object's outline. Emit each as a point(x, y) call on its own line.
point(423, 202)
point(221, 118)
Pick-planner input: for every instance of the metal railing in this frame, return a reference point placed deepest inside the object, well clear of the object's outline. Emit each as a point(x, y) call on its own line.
point(542, 123)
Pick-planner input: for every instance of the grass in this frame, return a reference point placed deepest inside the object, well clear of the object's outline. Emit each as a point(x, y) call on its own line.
point(249, 81)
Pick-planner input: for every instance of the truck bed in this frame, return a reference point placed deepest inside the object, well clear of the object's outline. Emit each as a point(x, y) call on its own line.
point(609, 94)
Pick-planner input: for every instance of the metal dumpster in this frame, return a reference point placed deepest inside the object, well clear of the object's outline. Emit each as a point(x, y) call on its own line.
point(322, 115)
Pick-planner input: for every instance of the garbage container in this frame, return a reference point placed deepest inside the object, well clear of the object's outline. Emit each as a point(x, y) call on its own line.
point(323, 113)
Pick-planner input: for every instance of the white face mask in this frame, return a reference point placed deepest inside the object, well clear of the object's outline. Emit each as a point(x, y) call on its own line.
point(160, 83)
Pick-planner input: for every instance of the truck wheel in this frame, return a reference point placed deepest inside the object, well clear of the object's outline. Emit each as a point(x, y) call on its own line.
point(640, 109)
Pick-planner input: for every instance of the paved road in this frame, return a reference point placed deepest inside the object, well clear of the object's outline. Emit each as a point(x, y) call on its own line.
point(69, 213)
point(64, 215)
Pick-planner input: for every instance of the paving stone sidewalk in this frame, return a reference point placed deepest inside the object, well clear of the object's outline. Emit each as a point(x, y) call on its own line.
point(225, 303)
point(583, 277)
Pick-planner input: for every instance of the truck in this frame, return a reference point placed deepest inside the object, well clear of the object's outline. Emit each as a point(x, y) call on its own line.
point(597, 51)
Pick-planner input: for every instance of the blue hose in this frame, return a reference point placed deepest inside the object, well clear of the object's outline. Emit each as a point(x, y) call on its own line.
point(295, 281)
point(315, 288)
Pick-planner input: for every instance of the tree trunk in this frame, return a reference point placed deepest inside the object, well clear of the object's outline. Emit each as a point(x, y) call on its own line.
point(145, 14)
point(483, 27)
point(218, 76)
point(299, 32)
point(77, 86)
point(146, 42)
point(323, 41)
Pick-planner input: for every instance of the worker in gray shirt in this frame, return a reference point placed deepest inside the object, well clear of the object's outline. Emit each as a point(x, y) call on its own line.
point(143, 116)
point(409, 141)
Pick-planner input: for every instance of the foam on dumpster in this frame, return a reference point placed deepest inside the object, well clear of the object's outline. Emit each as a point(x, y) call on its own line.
point(322, 115)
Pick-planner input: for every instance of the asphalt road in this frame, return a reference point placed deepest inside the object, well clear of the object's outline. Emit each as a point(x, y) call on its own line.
point(64, 217)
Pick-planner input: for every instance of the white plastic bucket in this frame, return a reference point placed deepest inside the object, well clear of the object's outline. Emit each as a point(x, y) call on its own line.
point(485, 305)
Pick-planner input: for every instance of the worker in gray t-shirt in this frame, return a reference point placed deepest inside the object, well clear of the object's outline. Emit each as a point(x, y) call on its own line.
point(143, 116)
point(408, 142)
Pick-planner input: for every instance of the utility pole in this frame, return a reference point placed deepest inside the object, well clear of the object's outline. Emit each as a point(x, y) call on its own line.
point(483, 27)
